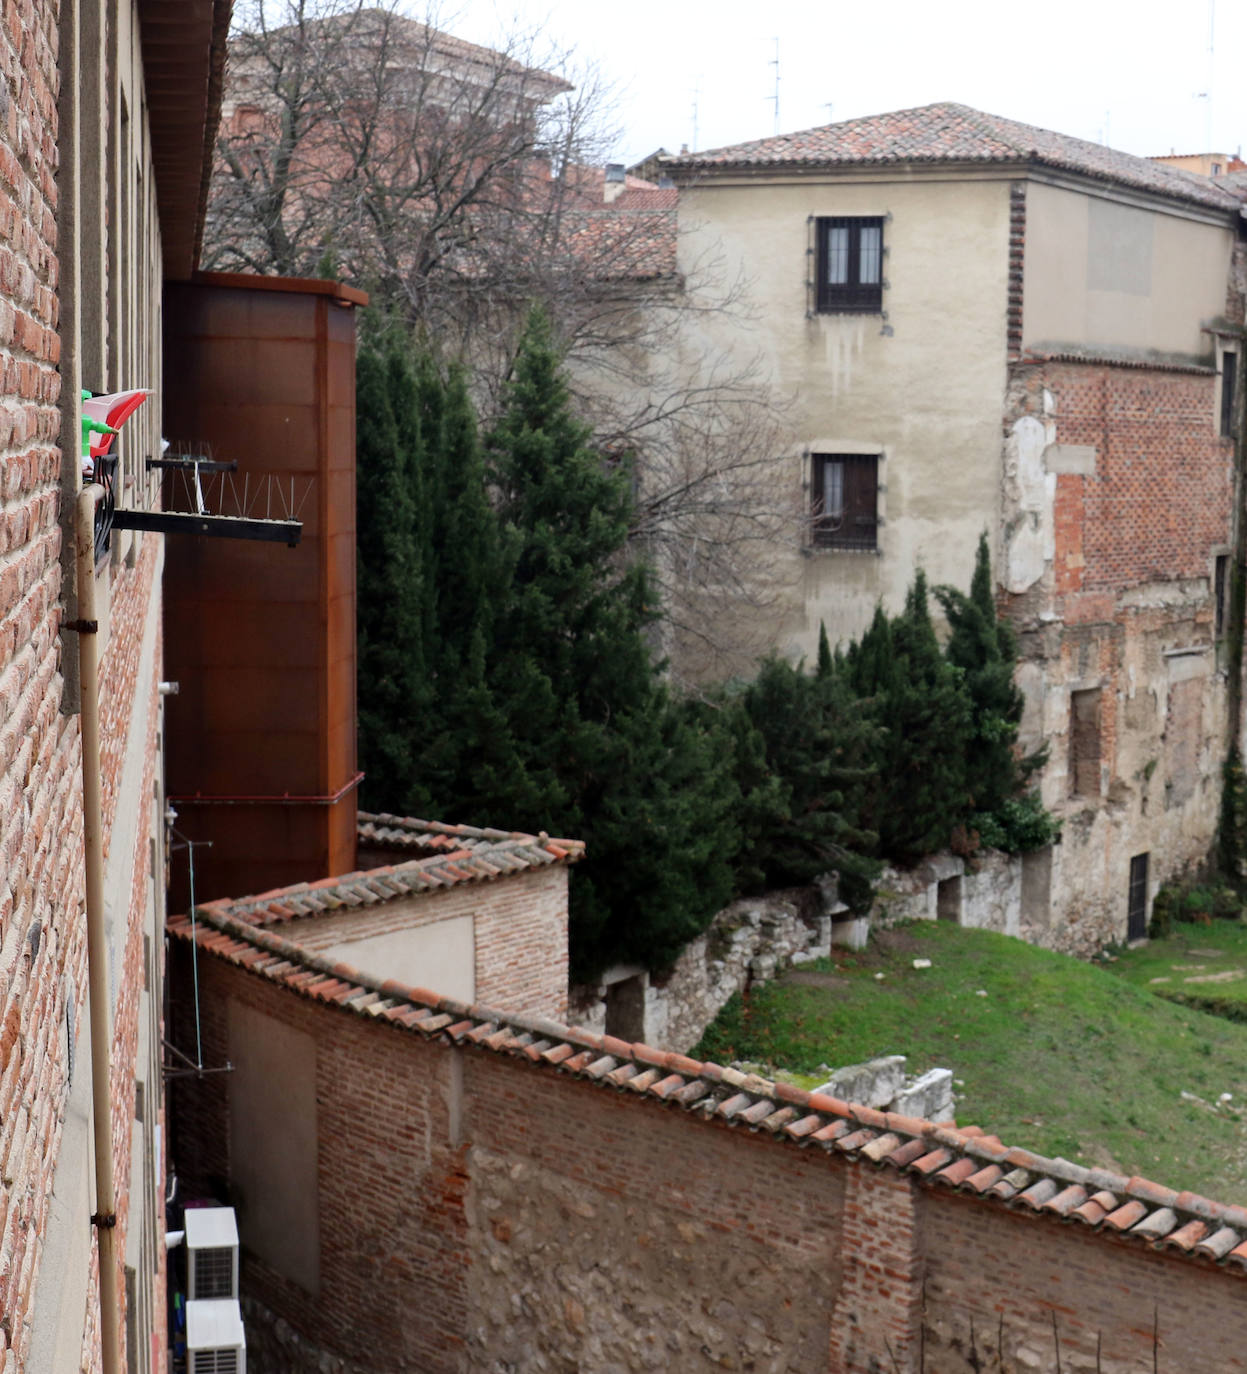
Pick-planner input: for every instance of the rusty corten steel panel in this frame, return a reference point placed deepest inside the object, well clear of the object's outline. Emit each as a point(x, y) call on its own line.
point(261, 637)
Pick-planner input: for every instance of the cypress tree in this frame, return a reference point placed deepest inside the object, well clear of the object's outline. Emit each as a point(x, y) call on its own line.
point(390, 583)
point(606, 754)
point(922, 703)
point(983, 647)
point(803, 752)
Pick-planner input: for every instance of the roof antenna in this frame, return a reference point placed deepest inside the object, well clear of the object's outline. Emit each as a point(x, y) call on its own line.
point(774, 62)
point(696, 109)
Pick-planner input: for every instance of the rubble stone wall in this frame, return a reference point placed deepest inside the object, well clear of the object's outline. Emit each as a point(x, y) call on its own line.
point(748, 941)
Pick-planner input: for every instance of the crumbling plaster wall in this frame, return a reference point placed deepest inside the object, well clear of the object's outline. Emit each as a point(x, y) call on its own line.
point(749, 940)
point(1116, 502)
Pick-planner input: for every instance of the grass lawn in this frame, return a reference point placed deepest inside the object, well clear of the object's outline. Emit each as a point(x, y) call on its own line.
point(1060, 1056)
point(1203, 965)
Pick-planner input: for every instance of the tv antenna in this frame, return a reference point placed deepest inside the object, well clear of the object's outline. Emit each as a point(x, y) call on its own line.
point(774, 62)
point(696, 110)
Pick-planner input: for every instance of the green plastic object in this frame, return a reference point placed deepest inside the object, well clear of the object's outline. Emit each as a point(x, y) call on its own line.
point(90, 427)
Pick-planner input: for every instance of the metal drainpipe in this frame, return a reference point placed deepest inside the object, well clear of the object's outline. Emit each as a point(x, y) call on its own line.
point(105, 1218)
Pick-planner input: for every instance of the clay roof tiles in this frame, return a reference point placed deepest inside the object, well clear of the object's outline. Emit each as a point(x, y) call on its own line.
point(441, 856)
point(958, 1159)
point(950, 133)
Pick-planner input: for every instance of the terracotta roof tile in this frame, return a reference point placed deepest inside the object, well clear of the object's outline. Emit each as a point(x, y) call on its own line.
point(964, 1160)
point(950, 133)
point(442, 855)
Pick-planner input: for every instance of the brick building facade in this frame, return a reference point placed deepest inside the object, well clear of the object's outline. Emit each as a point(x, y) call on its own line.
point(101, 160)
point(469, 1189)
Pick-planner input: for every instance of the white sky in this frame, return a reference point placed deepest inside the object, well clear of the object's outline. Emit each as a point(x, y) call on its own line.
point(1130, 74)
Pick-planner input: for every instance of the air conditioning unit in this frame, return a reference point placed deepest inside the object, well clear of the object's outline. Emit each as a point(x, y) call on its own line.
point(215, 1340)
point(211, 1253)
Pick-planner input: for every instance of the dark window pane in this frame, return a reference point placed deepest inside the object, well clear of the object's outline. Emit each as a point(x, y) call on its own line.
point(844, 500)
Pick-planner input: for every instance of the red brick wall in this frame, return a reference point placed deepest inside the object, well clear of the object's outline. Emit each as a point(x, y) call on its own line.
point(479, 1212)
point(520, 928)
point(40, 824)
point(1161, 494)
point(1010, 1274)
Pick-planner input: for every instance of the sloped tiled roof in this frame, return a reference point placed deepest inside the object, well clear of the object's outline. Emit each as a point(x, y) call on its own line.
point(964, 1160)
point(443, 856)
point(952, 133)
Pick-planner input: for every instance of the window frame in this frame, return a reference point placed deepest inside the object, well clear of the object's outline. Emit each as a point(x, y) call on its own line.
point(1228, 392)
point(852, 296)
point(859, 475)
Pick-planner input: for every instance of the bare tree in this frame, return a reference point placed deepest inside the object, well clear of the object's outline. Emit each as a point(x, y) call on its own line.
point(460, 184)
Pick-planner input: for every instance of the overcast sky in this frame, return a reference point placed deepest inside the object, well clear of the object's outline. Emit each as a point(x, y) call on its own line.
point(1133, 75)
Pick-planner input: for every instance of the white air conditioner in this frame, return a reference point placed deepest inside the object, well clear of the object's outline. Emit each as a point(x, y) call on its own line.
point(211, 1253)
point(215, 1340)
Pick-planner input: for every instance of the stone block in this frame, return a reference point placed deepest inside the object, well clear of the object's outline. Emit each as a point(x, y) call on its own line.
point(930, 1095)
point(873, 1084)
point(850, 934)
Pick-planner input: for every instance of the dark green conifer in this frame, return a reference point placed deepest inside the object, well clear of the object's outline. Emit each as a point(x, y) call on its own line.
point(390, 582)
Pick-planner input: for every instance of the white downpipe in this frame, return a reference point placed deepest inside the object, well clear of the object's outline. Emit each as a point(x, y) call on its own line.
point(105, 1218)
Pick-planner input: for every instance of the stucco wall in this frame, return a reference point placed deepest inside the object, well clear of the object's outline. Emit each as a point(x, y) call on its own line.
point(1105, 273)
point(921, 387)
point(515, 958)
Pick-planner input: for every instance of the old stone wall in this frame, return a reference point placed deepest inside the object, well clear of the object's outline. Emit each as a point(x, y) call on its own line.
point(477, 1212)
point(750, 939)
point(1118, 489)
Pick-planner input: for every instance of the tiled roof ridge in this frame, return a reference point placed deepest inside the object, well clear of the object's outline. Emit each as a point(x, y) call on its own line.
point(1104, 358)
point(466, 854)
point(415, 824)
point(936, 133)
point(964, 1159)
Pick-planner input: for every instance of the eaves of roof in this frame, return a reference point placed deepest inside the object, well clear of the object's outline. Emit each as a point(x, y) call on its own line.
point(950, 135)
point(965, 1160)
point(183, 44)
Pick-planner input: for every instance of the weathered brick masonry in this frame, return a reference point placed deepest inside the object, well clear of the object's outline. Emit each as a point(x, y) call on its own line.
point(41, 954)
point(1127, 613)
point(487, 1201)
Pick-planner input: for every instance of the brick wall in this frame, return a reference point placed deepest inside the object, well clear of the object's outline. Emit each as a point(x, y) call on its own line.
point(479, 1212)
point(1012, 1278)
point(40, 825)
point(1161, 493)
point(1120, 624)
point(520, 928)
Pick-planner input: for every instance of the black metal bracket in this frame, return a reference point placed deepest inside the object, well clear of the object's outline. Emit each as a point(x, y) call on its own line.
point(104, 1220)
point(215, 526)
point(82, 627)
point(184, 464)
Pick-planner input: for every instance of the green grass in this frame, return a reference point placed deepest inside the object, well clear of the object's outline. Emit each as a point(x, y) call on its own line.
point(1063, 1057)
point(1202, 965)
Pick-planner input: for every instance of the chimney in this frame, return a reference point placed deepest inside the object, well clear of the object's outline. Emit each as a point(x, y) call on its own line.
point(615, 181)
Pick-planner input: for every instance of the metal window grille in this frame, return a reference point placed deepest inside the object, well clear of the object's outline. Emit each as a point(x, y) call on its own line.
point(849, 264)
point(844, 500)
point(214, 1273)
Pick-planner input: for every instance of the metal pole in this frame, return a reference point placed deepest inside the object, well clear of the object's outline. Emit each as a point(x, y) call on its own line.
point(105, 1217)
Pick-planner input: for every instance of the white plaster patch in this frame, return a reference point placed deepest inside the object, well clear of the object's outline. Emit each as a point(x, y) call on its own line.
point(1182, 667)
point(1028, 492)
point(1075, 460)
